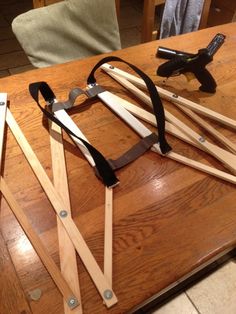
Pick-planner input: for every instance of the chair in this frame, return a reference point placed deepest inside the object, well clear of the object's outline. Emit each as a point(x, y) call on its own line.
point(43, 3)
point(67, 30)
point(149, 17)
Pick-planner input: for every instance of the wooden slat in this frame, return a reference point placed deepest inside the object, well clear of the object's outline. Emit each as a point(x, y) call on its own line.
point(114, 102)
point(174, 98)
point(69, 123)
point(228, 159)
point(55, 199)
point(66, 247)
point(3, 110)
point(108, 235)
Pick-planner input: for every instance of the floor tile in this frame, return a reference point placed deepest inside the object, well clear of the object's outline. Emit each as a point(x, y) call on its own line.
point(179, 305)
point(13, 60)
point(6, 33)
point(21, 69)
point(4, 73)
point(9, 45)
point(216, 294)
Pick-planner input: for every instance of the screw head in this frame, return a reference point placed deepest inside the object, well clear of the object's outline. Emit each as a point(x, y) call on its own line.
point(63, 213)
point(175, 96)
point(108, 294)
point(201, 139)
point(111, 67)
point(2, 103)
point(72, 302)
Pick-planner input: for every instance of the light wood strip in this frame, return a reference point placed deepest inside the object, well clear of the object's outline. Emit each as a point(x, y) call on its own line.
point(55, 199)
point(3, 110)
point(219, 136)
point(38, 246)
point(227, 158)
point(114, 102)
point(69, 123)
point(66, 248)
point(174, 98)
point(108, 234)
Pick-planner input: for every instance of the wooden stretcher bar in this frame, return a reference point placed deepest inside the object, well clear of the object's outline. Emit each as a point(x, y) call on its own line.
point(133, 89)
point(80, 245)
point(115, 103)
point(3, 110)
point(173, 97)
point(67, 251)
point(228, 159)
point(108, 235)
point(48, 262)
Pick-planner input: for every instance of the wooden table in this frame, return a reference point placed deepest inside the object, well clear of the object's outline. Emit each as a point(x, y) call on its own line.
point(169, 220)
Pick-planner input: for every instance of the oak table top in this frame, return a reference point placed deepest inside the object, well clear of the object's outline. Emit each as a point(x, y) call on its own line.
point(169, 219)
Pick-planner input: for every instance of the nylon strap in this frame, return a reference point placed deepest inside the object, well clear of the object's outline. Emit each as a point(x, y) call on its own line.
point(155, 98)
point(103, 168)
point(134, 152)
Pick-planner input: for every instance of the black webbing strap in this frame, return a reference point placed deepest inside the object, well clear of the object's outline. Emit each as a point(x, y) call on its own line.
point(155, 98)
point(134, 152)
point(102, 166)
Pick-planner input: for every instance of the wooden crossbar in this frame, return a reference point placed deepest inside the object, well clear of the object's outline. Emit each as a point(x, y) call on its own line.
point(116, 104)
point(228, 159)
point(67, 251)
point(69, 123)
point(173, 98)
point(80, 245)
point(69, 297)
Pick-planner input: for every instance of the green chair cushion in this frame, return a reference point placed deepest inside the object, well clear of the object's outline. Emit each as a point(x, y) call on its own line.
point(67, 30)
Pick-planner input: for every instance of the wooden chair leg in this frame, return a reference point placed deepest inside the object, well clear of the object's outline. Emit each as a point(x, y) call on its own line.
point(148, 20)
point(117, 8)
point(205, 14)
point(38, 3)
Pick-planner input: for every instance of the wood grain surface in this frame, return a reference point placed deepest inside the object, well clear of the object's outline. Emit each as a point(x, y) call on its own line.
point(168, 220)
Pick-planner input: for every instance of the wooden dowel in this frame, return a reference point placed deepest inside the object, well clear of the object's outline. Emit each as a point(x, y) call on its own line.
point(81, 247)
point(48, 262)
point(66, 248)
point(173, 98)
point(228, 159)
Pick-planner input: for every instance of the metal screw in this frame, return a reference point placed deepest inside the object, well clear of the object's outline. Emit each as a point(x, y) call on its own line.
point(63, 213)
point(201, 139)
point(72, 302)
point(175, 96)
point(2, 103)
point(111, 67)
point(108, 294)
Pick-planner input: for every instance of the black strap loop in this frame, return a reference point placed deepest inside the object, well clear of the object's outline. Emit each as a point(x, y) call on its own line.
point(156, 100)
point(102, 166)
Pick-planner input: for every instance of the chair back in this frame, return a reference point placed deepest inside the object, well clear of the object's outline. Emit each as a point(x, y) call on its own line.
point(67, 30)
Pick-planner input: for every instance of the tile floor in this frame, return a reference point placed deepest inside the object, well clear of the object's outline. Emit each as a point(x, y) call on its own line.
point(215, 293)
